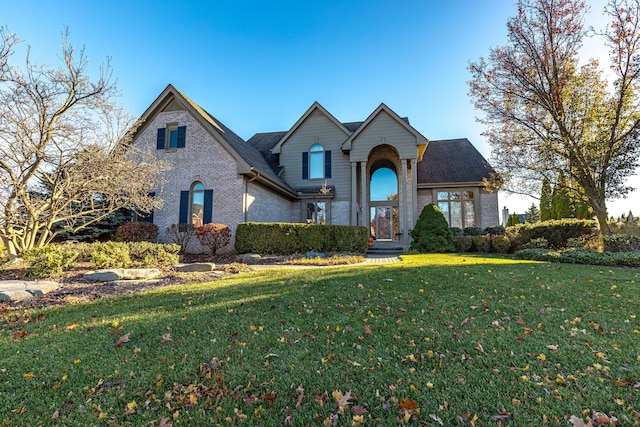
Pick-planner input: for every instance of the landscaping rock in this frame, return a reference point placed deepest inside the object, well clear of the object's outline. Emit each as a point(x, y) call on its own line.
point(195, 267)
point(20, 290)
point(251, 258)
point(109, 275)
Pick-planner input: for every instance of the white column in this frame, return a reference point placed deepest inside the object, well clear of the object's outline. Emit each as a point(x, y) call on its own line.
point(405, 205)
point(364, 197)
point(414, 189)
point(354, 193)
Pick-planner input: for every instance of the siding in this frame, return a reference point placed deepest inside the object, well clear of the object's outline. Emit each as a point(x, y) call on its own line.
point(317, 128)
point(383, 129)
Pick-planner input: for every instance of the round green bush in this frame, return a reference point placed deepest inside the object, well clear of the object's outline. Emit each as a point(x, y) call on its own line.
point(110, 254)
point(462, 244)
point(481, 243)
point(500, 244)
point(49, 260)
point(432, 233)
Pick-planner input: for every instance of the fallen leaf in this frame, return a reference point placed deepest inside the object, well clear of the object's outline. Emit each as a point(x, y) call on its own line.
point(123, 339)
point(18, 334)
point(115, 331)
point(165, 338)
point(71, 327)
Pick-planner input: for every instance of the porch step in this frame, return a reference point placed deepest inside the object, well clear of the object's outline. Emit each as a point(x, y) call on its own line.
point(384, 251)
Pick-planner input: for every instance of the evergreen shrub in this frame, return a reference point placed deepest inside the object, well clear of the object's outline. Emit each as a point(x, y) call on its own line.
point(284, 238)
point(154, 254)
point(473, 231)
point(500, 244)
point(50, 260)
point(462, 243)
point(110, 255)
point(621, 243)
point(431, 232)
point(556, 232)
point(481, 243)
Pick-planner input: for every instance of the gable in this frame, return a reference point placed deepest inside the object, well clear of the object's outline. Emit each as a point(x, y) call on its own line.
point(384, 127)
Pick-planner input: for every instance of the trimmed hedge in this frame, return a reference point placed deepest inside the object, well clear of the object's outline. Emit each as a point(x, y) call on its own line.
point(556, 232)
point(582, 256)
point(284, 238)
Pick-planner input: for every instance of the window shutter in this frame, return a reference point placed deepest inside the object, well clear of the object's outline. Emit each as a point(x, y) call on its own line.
point(184, 208)
point(305, 165)
point(182, 136)
point(327, 164)
point(160, 140)
point(207, 216)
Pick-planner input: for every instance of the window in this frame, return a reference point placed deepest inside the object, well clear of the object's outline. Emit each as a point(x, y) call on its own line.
point(316, 212)
point(196, 205)
point(316, 163)
point(458, 208)
point(176, 137)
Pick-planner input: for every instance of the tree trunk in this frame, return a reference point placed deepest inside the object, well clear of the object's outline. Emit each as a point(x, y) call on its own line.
point(600, 212)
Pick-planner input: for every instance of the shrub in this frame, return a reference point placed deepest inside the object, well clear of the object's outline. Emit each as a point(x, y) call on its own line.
point(497, 230)
point(213, 236)
point(154, 254)
point(472, 231)
point(574, 243)
point(540, 243)
point(110, 254)
point(580, 256)
point(556, 232)
point(462, 243)
point(481, 243)
point(49, 261)
point(457, 231)
point(181, 234)
point(82, 248)
point(431, 233)
point(500, 244)
point(284, 238)
point(136, 232)
point(621, 243)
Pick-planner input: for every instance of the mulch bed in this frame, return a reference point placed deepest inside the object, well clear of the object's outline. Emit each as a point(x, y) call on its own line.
point(75, 289)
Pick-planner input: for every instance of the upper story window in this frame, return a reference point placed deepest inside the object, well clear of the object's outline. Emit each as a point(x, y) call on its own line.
point(173, 136)
point(316, 163)
point(458, 208)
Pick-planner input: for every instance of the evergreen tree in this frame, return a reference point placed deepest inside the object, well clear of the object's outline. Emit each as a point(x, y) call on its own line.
point(513, 219)
point(546, 201)
point(432, 233)
point(561, 200)
point(532, 214)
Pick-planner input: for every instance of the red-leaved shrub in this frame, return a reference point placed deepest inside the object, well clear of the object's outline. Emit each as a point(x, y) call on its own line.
point(213, 236)
point(136, 232)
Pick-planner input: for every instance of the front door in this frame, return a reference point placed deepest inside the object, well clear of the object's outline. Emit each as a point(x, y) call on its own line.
point(384, 222)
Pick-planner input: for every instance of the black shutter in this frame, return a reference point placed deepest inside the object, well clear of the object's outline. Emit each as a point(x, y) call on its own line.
point(182, 136)
point(207, 216)
point(160, 140)
point(327, 164)
point(305, 165)
point(184, 208)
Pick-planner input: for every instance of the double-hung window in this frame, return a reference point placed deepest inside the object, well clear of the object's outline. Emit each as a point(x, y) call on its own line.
point(171, 137)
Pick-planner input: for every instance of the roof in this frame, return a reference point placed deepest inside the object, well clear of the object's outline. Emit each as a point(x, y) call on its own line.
point(452, 160)
point(251, 158)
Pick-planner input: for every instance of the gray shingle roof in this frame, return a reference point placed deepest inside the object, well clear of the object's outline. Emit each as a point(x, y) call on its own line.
point(452, 160)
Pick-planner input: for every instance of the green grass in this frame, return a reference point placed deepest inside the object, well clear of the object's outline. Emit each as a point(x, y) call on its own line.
point(458, 338)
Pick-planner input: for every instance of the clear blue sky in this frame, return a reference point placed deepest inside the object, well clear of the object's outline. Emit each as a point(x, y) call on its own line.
point(258, 65)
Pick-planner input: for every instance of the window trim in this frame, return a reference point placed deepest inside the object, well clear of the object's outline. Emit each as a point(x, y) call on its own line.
point(464, 201)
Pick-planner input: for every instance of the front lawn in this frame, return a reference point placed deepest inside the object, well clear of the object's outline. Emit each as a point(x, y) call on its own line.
point(435, 340)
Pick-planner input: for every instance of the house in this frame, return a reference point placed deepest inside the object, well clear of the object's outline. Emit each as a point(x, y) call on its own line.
point(377, 173)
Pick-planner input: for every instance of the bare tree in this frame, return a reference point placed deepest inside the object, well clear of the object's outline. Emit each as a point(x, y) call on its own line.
point(546, 113)
point(65, 158)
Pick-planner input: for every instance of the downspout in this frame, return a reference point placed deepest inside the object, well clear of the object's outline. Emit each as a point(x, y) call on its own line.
point(246, 193)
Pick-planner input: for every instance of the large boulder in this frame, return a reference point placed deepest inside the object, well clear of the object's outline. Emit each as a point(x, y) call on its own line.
point(195, 267)
point(20, 290)
point(111, 274)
